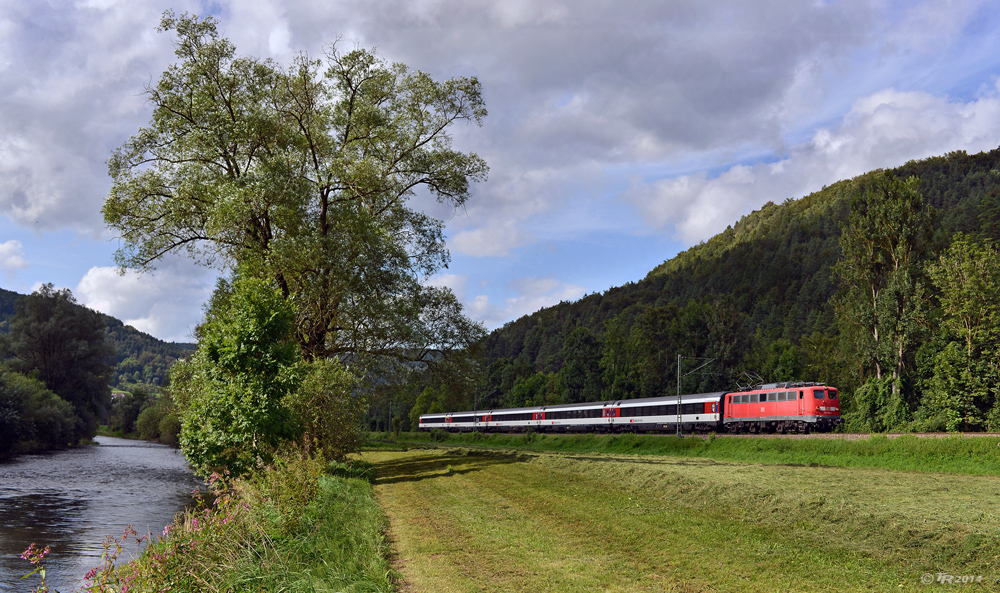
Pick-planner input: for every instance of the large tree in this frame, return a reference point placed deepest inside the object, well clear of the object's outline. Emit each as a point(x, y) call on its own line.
point(883, 243)
point(65, 345)
point(966, 381)
point(303, 175)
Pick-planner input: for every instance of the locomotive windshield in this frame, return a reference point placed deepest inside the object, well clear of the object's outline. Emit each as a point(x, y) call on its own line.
point(819, 393)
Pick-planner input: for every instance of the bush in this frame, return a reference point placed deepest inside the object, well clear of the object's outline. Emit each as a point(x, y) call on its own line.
point(148, 423)
point(33, 418)
point(329, 409)
point(170, 429)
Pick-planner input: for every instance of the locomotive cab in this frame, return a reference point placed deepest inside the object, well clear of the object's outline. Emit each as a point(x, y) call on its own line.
point(823, 403)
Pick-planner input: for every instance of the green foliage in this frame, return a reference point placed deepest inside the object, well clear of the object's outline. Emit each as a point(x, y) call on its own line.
point(581, 372)
point(32, 418)
point(302, 176)
point(159, 422)
point(64, 345)
point(230, 394)
point(877, 406)
point(883, 244)
point(141, 359)
point(330, 409)
point(963, 390)
point(125, 409)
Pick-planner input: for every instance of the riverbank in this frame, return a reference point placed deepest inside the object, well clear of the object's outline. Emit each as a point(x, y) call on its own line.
point(297, 526)
point(956, 454)
point(478, 520)
point(72, 499)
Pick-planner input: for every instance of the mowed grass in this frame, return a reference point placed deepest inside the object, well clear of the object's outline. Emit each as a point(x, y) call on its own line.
point(478, 520)
point(945, 454)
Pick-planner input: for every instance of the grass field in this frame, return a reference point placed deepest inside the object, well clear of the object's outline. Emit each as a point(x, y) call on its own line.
point(481, 520)
point(945, 454)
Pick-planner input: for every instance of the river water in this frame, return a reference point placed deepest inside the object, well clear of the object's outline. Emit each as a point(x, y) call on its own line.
point(71, 500)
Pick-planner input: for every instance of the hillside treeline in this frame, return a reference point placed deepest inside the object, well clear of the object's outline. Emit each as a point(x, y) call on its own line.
point(884, 285)
point(54, 371)
point(138, 358)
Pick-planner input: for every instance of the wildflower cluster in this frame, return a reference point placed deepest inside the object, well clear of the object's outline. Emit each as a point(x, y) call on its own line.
point(35, 556)
point(105, 578)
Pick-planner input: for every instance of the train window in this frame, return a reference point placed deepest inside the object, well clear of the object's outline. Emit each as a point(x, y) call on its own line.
point(832, 394)
point(819, 394)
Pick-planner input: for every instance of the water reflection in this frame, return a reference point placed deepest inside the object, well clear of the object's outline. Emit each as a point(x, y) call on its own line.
point(71, 500)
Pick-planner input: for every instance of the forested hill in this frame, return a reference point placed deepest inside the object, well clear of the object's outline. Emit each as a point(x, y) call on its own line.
point(139, 357)
point(757, 298)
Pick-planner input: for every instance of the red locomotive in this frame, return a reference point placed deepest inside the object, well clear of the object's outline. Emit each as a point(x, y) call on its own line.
point(783, 407)
point(778, 407)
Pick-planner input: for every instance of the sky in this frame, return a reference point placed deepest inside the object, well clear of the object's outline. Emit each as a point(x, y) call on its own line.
point(618, 134)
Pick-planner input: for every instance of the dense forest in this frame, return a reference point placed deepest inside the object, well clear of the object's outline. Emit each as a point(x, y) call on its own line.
point(780, 295)
point(138, 359)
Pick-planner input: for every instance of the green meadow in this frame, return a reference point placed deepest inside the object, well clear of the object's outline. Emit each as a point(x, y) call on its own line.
point(690, 514)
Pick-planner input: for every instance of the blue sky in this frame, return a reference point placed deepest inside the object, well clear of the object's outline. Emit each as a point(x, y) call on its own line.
point(618, 132)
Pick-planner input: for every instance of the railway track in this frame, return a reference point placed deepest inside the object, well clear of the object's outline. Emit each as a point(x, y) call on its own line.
point(855, 436)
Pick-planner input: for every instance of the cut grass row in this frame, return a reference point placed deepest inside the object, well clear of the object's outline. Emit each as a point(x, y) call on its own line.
point(951, 454)
point(477, 520)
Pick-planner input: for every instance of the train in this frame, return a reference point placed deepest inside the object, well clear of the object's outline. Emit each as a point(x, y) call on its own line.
point(799, 407)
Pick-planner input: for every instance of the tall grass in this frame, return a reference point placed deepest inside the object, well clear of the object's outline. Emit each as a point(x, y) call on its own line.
point(294, 527)
point(952, 454)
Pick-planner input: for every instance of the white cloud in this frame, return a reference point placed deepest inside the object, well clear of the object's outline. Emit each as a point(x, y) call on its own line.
point(531, 294)
point(453, 282)
point(583, 96)
point(491, 240)
point(166, 304)
point(12, 258)
point(70, 93)
point(882, 130)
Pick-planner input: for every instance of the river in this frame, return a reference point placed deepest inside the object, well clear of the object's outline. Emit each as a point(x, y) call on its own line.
point(71, 500)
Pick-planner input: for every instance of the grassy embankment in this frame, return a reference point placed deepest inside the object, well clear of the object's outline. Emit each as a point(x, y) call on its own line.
point(467, 519)
point(295, 527)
